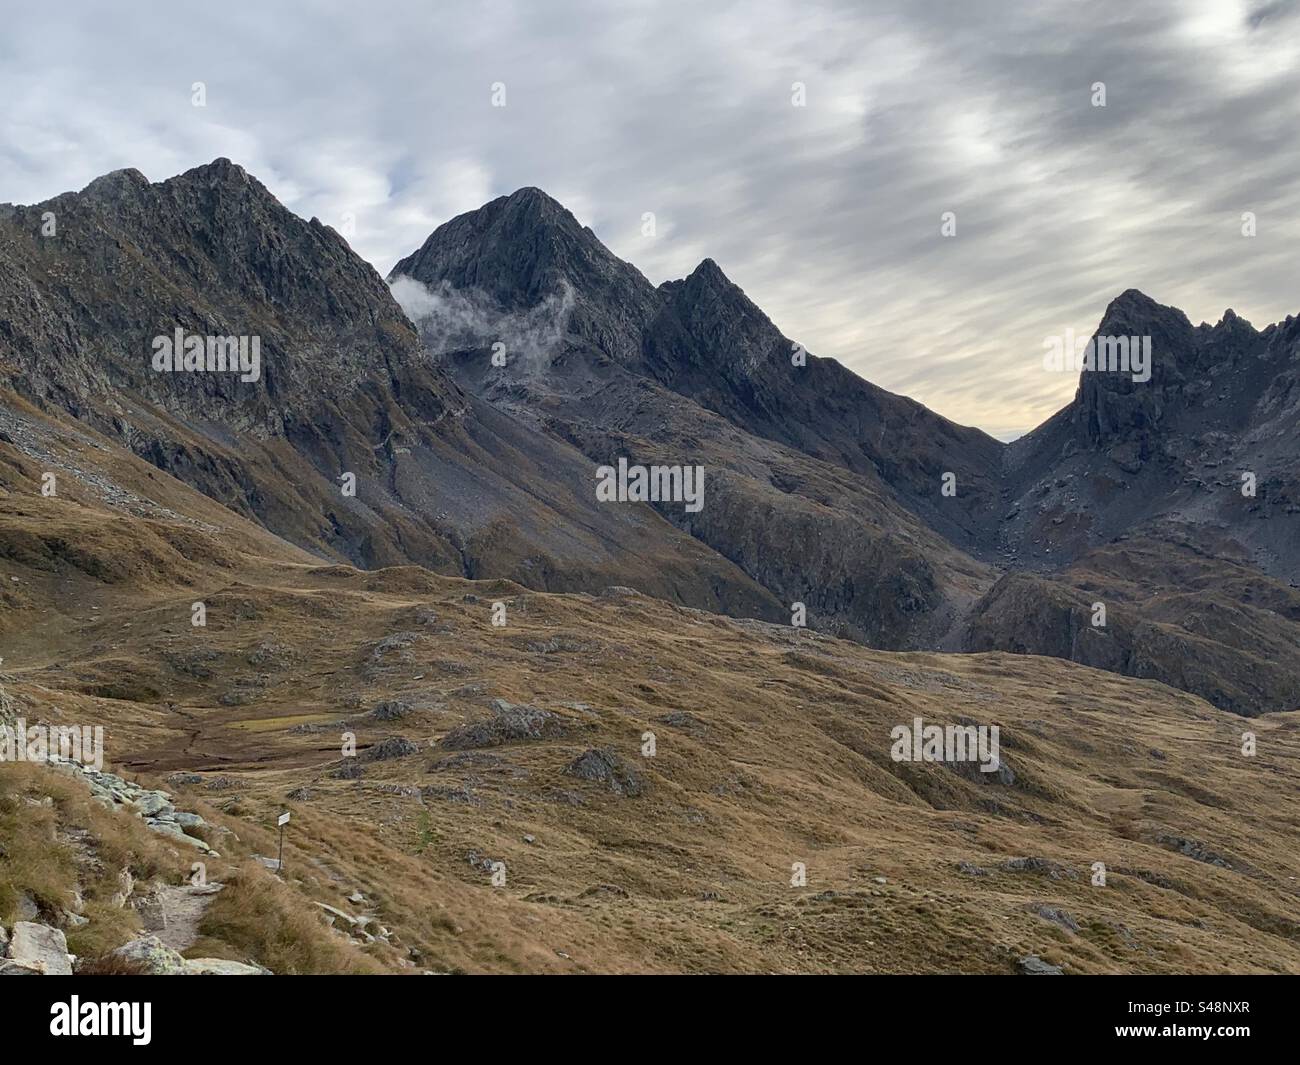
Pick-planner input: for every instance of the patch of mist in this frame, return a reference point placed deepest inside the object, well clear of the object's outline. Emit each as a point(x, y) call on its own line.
point(451, 319)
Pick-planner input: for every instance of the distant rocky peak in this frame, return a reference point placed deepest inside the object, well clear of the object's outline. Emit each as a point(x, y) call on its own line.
point(532, 203)
point(1232, 324)
point(709, 275)
point(116, 184)
point(526, 249)
point(1134, 313)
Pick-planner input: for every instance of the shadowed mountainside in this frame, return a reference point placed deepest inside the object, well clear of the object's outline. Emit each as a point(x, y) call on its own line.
point(1158, 461)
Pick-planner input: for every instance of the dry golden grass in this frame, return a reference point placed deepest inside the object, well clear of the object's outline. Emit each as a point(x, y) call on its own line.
point(268, 922)
point(772, 748)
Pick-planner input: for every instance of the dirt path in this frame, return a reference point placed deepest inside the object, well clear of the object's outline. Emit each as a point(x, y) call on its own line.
point(183, 909)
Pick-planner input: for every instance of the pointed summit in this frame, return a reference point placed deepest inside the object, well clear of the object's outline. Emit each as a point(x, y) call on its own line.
point(220, 170)
point(709, 273)
point(531, 199)
point(521, 249)
point(1234, 324)
point(517, 248)
point(115, 185)
point(708, 320)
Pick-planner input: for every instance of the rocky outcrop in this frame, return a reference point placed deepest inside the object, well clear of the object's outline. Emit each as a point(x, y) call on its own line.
point(1218, 629)
point(154, 807)
point(509, 723)
point(604, 766)
point(38, 949)
point(150, 956)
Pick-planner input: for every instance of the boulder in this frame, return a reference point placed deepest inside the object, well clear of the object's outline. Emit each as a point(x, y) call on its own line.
point(339, 915)
point(1056, 915)
point(1033, 965)
point(153, 803)
point(385, 750)
point(605, 767)
point(350, 769)
point(510, 723)
point(153, 956)
point(172, 829)
point(40, 947)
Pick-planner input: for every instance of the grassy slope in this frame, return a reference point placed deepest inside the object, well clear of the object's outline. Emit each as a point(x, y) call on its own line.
point(772, 748)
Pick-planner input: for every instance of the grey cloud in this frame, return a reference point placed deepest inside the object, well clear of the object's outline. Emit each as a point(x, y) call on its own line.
point(827, 215)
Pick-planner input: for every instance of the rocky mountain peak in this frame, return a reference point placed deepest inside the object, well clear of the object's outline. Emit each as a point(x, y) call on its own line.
point(211, 252)
point(1134, 313)
point(115, 187)
point(708, 321)
point(530, 201)
point(1233, 325)
point(520, 250)
point(220, 169)
point(709, 274)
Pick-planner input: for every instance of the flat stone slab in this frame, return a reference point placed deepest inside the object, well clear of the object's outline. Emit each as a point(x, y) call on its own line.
point(221, 967)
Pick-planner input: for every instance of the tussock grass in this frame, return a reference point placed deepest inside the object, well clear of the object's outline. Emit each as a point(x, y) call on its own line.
point(276, 926)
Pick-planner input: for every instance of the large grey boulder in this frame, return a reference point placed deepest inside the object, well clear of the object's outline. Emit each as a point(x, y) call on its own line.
point(172, 829)
point(153, 803)
point(40, 947)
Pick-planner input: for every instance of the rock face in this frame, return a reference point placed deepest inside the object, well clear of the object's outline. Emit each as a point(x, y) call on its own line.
point(211, 252)
point(803, 487)
point(1222, 401)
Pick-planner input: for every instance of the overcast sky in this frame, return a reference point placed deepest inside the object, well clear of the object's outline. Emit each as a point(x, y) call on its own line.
point(828, 215)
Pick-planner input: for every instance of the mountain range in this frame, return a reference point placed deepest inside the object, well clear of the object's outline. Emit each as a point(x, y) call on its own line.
point(823, 489)
point(242, 574)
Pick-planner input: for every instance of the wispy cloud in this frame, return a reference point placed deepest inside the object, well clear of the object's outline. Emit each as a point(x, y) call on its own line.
point(379, 118)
